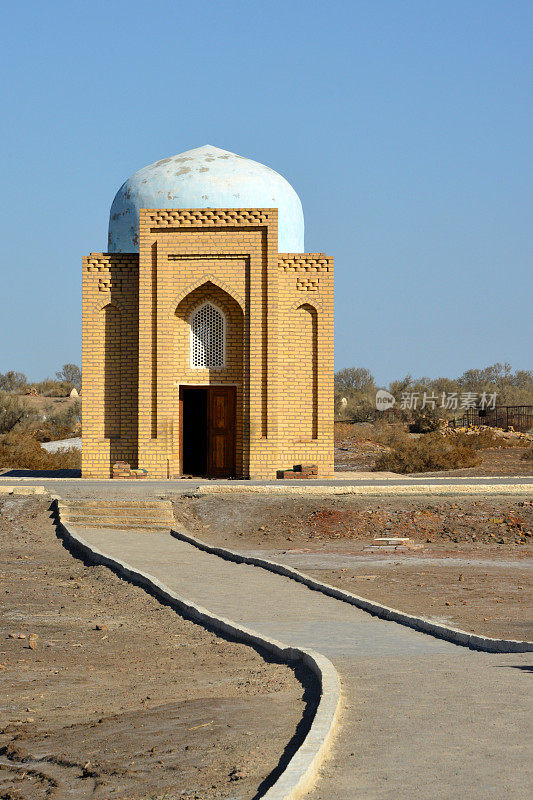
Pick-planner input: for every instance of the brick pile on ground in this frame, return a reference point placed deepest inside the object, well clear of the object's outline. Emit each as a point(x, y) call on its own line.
point(123, 471)
point(302, 471)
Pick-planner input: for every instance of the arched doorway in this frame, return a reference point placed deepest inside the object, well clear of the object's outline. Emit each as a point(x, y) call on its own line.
point(208, 356)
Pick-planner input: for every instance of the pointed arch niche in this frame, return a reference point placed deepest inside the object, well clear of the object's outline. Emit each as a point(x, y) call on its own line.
point(112, 319)
point(209, 327)
point(302, 388)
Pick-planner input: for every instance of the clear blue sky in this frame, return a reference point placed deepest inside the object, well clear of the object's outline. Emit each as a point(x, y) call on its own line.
point(405, 127)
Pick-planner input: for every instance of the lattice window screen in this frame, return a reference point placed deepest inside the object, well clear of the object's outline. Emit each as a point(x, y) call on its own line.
point(208, 333)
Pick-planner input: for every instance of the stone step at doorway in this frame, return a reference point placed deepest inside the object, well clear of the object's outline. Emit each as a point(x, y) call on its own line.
point(118, 514)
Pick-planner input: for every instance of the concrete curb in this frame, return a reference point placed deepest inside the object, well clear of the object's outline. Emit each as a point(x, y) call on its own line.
point(23, 490)
point(300, 773)
point(471, 640)
point(426, 489)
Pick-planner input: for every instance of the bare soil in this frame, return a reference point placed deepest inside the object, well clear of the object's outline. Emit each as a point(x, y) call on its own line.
point(356, 450)
point(495, 461)
point(40, 402)
point(472, 567)
point(108, 694)
point(454, 595)
point(357, 455)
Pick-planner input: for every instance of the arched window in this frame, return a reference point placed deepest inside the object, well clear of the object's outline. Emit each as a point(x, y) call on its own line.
point(208, 337)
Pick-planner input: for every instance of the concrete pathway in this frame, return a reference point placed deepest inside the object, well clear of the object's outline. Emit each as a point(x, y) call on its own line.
point(421, 719)
point(71, 486)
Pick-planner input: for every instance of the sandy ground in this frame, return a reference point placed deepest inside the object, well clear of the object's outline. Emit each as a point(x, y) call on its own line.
point(472, 568)
point(108, 694)
point(359, 454)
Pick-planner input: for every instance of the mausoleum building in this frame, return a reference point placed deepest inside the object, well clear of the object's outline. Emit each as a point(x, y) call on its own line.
point(207, 331)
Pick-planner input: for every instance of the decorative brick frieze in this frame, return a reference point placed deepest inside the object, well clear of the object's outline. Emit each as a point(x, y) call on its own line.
point(205, 217)
point(307, 284)
point(305, 262)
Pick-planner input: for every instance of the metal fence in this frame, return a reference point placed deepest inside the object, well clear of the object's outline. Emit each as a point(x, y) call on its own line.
point(518, 417)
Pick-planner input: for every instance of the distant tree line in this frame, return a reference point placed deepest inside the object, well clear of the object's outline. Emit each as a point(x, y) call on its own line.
point(66, 379)
point(355, 390)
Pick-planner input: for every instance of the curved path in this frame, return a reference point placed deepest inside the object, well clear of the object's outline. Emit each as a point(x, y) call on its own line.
point(421, 718)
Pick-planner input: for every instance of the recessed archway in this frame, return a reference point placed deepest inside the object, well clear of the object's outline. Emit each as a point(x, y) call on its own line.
point(209, 419)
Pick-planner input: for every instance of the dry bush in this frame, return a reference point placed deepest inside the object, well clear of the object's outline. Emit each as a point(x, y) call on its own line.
point(389, 434)
point(13, 381)
point(384, 433)
point(14, 411)
point(359, 407)
point(23, 451)
point(429, 453)
point(357, 431)
point(342, 430)
point(481, 440)
point(63, 424)
point(426, 420)
point(527, 455)
point(53, 388)
point(51, 431)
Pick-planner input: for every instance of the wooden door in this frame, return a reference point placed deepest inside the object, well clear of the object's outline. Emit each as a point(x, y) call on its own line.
point(221, 432)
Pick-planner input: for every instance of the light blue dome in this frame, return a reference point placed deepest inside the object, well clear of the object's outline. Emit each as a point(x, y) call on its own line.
point(205, 177)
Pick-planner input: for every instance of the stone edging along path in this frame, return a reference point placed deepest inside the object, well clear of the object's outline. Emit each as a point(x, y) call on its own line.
point(391, 488)
point(455, 635)
point(301, 771)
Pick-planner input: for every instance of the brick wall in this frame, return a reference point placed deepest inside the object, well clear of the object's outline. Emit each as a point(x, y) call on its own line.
point(109, 361)
point(279, 310)
point(306, 359)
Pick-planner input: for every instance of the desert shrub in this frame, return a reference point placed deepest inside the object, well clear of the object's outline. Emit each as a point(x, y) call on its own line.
point(13, 381)
point(16, 414)
point(357, 431)
point(384, 433)
point(358, 408)
point(59, 389)
point(355, 392)
point(389, 434)
point(50, 387)
point(481, 440)
point(23, 451)
point(343, 430)
point(63, 424)
point(51, 431)
point(71, 374)
point(13, 412)
point(67, 379)
point(425, 420)
point(428, 453)
point(45, 386)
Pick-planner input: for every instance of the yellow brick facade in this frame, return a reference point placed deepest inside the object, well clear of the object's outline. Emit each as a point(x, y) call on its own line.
point(136, 343)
